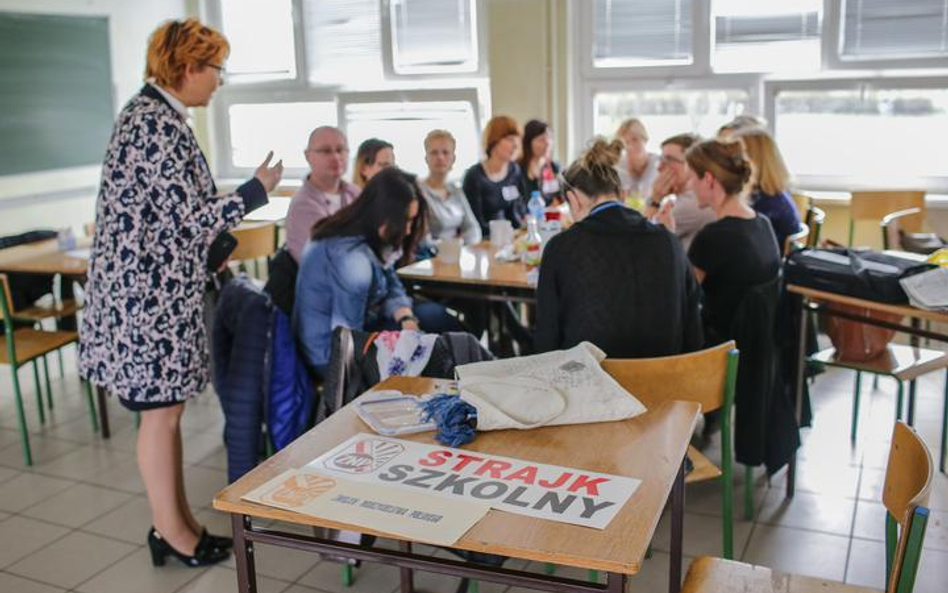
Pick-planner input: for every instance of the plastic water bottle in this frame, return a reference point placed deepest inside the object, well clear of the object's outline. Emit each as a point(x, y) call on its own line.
point(536, 206)
point(534, 251)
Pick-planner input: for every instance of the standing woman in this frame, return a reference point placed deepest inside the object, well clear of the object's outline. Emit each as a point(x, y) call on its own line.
point(158, 211)
point(373, 155)
point(492, 186)
point(537, 164)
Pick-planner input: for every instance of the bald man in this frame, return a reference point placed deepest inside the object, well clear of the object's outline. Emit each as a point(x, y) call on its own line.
point(324, 191)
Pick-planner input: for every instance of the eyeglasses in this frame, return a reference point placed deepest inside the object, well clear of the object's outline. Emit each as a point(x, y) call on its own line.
point(221, 71)
point(329, 151)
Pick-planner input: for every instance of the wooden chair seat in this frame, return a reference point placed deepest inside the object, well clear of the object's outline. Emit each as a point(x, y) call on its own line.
point(67, 308)
point(703, 469)
point(716, 575)
point(905, 363)
point(32, 343)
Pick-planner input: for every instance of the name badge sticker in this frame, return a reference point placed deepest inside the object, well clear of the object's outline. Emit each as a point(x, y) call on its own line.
point(510, 192)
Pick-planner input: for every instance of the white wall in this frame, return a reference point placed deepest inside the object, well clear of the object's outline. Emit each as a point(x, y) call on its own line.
point(23, 205)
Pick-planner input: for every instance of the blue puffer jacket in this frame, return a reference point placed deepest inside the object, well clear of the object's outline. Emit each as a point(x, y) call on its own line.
point(257, 374)
point(240, 340)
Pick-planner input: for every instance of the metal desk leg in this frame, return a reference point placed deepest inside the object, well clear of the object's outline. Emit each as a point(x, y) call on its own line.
point(798, 391)
point(615, 582)
point(243, 553)
point(677, 528)
point(103, 412)
point(406, 575)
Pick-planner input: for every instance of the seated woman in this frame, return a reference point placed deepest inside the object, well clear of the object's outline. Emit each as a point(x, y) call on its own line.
point(639, 169)
point(736, 252)
point(771, 182)
point(347, 274)
point(614, 278)
point(449, 213)
point(537, 165)
point(492, 186)
point(373, 156)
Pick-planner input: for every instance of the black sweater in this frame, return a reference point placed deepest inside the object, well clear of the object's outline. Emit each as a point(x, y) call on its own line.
point(623, 284)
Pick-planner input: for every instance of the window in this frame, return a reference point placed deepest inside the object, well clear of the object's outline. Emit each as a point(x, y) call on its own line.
point(330, 64)
point(405, 125)
point(628, 33)
point(281, 127)
point(666, 113)
point(754, 36)
point(250, 60)
point(434, 36)
point(865, 136)
point(889, 29)
point(343, 42)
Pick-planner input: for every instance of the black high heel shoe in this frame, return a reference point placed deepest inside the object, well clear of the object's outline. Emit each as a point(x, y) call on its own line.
point(205, 554)
point(219, 541)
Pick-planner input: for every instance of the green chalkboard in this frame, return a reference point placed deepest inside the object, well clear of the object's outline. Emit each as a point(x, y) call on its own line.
point(55, 92)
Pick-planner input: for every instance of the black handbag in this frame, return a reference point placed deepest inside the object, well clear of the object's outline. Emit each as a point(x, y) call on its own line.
point(864, 274)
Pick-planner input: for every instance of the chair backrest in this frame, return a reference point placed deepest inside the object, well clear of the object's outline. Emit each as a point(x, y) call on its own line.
point(908, 482)
point(875, 205)
point(254, 240)
point(797, 239)
point(706, 376)
point(343, 368)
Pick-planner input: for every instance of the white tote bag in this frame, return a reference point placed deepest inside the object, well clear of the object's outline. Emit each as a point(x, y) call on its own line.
point(561, 387)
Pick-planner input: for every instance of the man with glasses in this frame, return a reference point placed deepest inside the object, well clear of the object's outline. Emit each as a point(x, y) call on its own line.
point(324, 191)
point(685, 218)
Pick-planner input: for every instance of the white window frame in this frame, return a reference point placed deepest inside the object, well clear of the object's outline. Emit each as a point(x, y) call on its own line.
point(464, 86)
point(388, 57)
point(751, 83)
point(583, 17)
point(832, 47)
point(931, 184)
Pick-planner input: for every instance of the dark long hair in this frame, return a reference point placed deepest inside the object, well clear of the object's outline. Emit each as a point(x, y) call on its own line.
point(533, 129)
point(385, 200)
point(366, 154)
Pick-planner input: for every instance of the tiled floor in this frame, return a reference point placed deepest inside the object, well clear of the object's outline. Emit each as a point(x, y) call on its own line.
point(77, 520)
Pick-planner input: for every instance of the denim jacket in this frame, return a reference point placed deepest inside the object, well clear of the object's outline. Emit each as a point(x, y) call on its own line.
point(342, 282)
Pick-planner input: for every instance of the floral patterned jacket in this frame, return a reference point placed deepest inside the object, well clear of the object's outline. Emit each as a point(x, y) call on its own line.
point(142, 335)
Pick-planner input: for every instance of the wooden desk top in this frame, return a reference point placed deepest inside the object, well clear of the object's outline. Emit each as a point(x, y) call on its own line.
point(44, 257)
point(649, 447)
point(477, 266)
point(904, 310)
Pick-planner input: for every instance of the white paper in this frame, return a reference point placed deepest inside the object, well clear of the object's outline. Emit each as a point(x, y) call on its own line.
point(567, 495)
point(928, 290)
point(417, 517)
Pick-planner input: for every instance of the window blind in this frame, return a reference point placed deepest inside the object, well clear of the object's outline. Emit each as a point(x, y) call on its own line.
point(640, 32)
point(434, 35)
point(894, 29)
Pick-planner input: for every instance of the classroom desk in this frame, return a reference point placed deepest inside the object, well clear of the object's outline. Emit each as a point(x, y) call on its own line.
point(478, 275)
point(823, 302)
point(650, 447)
point(45, 258)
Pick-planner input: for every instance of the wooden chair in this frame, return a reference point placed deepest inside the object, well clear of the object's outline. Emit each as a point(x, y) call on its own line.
point(708, 377)
point(36, 314)
point(797, 240)
point(811, 216)
point(26, 345)
point(908, 482)
point(875, 205)
point(255, 240)
point(902, 363)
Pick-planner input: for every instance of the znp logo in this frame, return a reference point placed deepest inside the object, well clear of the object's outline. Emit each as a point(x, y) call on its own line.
point(365, 456)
